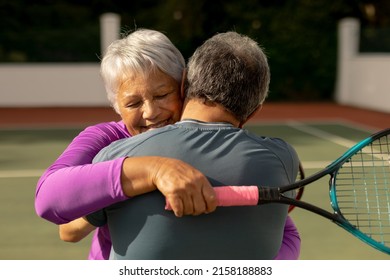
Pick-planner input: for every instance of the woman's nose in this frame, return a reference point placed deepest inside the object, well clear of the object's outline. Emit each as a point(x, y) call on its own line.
point(150, 110)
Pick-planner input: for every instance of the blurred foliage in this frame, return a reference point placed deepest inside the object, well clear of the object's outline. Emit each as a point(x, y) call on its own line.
point(299, 36)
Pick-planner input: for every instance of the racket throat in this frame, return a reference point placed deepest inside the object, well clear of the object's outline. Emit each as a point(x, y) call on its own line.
point(267, 195)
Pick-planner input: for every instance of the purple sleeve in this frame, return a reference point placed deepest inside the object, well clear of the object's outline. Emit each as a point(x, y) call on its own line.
point(72, 186)
point(291, 244)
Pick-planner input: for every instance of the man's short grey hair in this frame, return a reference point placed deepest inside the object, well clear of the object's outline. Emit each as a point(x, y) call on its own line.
point(139, 53)
point(232, 70)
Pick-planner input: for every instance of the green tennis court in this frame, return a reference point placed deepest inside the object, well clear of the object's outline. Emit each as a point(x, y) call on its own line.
point(25, 153)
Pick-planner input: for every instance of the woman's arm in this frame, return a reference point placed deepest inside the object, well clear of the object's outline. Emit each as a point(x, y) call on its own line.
point(75, 230)
point(73, 187)
point(185, 188)
point(291, 243)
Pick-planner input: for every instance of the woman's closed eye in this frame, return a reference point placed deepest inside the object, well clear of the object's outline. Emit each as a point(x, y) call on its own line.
point(134, 104)
point(162, 96)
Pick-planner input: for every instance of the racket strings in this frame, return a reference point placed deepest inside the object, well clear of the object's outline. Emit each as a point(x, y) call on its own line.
point(363, 190)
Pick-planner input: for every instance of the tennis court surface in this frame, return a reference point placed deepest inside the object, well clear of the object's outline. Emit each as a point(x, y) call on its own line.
point(30, 139)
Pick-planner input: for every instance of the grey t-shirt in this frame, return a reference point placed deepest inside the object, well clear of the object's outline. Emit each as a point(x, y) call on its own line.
point(140, 228)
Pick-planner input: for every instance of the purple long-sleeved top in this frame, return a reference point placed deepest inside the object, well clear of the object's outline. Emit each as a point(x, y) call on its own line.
point(73, 187)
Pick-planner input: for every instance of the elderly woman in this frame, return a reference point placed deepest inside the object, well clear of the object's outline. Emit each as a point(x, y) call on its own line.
point(142, 74)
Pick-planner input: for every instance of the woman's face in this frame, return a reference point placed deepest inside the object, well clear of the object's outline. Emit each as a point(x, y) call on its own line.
point(148, 102)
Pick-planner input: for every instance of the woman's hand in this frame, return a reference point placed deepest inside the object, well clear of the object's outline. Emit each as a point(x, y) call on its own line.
point(185, 188)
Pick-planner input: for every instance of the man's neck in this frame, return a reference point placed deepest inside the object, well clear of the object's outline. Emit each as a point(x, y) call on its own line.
point(199, 110)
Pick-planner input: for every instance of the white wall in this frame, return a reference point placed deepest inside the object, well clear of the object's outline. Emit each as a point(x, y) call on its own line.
point(58, 84)
point(48, 85)
point(363, 79)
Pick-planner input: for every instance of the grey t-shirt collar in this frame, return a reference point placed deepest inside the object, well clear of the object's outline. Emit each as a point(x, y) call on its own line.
point(201, 124)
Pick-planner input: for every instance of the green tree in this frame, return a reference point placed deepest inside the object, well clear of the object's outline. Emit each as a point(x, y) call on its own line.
point(299, 36)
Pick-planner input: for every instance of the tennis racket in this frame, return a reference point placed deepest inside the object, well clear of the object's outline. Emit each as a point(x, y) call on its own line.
point(299, 194)
point(359, 190)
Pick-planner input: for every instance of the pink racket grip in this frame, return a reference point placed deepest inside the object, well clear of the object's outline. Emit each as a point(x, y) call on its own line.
point(233, 196)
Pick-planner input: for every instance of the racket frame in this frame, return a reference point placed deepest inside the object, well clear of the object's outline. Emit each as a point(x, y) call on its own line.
point(276, 194)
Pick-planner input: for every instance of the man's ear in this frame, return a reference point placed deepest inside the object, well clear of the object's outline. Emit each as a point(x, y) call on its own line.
point(182, 86)
point(251, 115)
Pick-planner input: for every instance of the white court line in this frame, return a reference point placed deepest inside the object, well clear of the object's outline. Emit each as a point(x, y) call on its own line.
point(294, 124)
point(335, 139)
point(21, 173)
point(315, 164)
point(321, 134)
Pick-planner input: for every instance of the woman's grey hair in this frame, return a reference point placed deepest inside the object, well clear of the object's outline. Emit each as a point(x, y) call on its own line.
point(232, 70)
point(139, 53)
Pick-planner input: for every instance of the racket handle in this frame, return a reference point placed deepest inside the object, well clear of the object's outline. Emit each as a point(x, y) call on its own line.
point(233, 196)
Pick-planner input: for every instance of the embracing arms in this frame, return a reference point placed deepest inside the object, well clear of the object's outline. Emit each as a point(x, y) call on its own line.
point(73, 187)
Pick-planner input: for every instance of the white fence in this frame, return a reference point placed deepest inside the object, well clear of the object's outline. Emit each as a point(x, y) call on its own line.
point(58, 84)
point(363, 80)
point(51, 85)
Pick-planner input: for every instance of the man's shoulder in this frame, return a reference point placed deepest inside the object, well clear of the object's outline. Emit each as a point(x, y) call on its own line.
point(275, 145)
point(267, 140)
